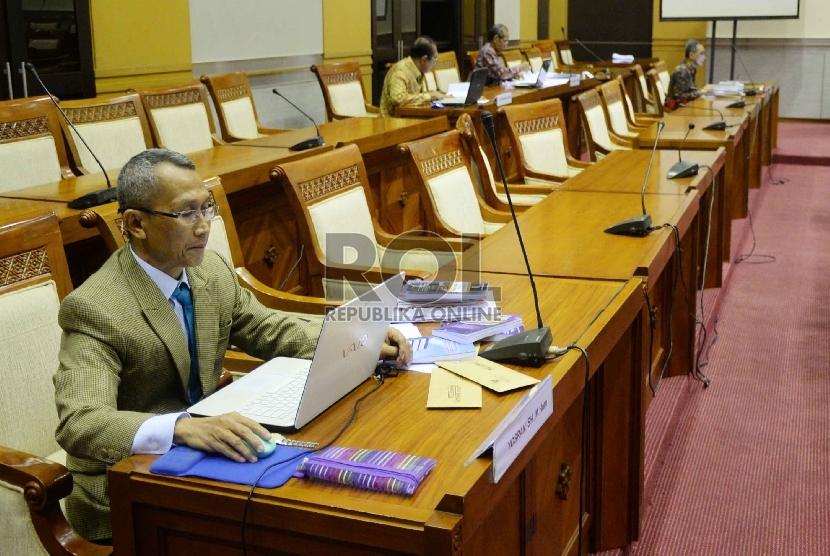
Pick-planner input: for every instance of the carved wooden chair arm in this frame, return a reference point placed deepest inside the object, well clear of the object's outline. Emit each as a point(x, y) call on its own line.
point(281, 301)
point(575, 163)
point(430, 242)
point(44, 483)
point(527, 189)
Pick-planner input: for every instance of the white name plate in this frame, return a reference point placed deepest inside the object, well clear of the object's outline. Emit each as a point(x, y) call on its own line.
point(504, 99)
point(517, 429)
point(575, 78)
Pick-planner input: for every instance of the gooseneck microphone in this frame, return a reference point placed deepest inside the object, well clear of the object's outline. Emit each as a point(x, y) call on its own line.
point(308, 143)
point(639, 226)
point(530, 348)
point(564, 36)
point(96, 198)
point(683, 169)
point(591, 52)
point(715, 126)
point(751, 92)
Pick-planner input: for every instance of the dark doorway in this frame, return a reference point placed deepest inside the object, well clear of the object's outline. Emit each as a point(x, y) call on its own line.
point(607, 26)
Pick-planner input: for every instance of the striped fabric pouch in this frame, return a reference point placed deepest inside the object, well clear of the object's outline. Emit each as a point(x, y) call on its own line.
point(369, 469)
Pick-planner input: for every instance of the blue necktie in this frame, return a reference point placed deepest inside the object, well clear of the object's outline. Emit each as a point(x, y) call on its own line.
point(194, 386)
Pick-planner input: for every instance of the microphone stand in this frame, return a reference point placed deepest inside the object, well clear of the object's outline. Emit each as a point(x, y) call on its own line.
point(715, 126)
point(95, 198)
point(529, 348)
point(639, 226)
point(307, 143)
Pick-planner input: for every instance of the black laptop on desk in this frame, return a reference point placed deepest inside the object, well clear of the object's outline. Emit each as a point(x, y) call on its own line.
point(478, 79)
point(540, 79)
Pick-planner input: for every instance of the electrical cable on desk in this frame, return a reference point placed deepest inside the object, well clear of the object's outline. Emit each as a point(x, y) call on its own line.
point(299, 258)
point(678, 269)
point(652, 320)
point(380, 375)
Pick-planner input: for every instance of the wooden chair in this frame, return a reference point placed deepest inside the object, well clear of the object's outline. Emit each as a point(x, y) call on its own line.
point(646, 99)
point(540, 139)
point(612, 102)
point(489, 187)
point(31, 145)
point(472, 56)
point(534, 58)
point(432, 84)
point(512, 58)
point(330, 195)
point(444, 175)
point(545, 48)
point(663, 73)
point(224, 240)
point(116, 128)
point(33, 478)
point(634, 118)
point(563, 49)
point(446, 71)
point(235, 108)
point(599, 139)
point(343, 92)
point(180, 117)
point(658, 97)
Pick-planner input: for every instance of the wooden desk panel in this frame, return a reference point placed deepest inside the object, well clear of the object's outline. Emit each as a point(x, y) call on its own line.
point(565, 237)
point(457, 509)
point(734, 140)
point(620, 172)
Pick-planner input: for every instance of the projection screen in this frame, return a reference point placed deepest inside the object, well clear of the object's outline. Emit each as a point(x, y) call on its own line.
point(707, 10)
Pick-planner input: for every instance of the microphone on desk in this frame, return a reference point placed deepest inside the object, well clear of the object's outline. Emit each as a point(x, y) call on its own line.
point(715, 126)
point(564, 36)
point(308, 143)
point(751, 92)
point(100, 197)
point(639, 226)
point(683, 168)
point(529, 348)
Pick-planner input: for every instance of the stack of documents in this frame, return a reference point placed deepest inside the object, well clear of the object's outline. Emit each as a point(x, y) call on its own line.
point(622, 58)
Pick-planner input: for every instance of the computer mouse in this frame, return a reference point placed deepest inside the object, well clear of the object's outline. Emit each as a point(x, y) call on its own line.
point(268, 447)
point(436, 104)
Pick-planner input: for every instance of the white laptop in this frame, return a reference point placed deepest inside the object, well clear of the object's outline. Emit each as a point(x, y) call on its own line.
point(286, 393)
point(537, 81)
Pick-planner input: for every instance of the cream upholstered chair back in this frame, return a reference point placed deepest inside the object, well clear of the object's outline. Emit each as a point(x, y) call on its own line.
point(446, 70)
point(646, 98)
point(538, 134)
point(330, 195)
point(611, 97)
point(483, 171)
point(449, 190)
point(512, 58)
point(663, 73)
point(432, 84)
point(34, 278)
point(548, 51)
point(180, 117)
point(234, 105)
point(629, 106)
point(657, 85)
point(31, 145)
point(534, 58)
point(564, 49)
point(596, 129)
point(115, 128)
point(343, 92)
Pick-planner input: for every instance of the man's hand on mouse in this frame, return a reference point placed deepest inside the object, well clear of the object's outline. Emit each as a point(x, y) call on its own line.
point(223, 434)
point(397, 347)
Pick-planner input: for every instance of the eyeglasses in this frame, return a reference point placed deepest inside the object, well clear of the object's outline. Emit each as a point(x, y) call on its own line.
point(187, 216)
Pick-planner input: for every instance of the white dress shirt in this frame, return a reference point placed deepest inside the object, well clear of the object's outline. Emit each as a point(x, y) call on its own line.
point(155, 435)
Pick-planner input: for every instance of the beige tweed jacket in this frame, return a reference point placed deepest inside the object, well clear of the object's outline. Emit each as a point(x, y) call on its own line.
point(124, 358)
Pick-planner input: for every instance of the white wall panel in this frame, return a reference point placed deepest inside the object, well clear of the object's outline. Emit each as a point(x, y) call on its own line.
point(508, 12)
point(222, 30)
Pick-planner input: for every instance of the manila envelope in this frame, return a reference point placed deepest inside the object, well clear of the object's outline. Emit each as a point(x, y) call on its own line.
point(489, 374)
point(447, 390)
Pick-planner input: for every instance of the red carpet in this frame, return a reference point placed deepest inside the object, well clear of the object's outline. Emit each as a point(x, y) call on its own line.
point(743, 467)
point(804, 144)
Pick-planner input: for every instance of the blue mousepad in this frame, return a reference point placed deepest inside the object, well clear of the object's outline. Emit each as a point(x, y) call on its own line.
point(183, 461)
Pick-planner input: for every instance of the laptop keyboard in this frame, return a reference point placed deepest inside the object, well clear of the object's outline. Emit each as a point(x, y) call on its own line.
point(281, 403)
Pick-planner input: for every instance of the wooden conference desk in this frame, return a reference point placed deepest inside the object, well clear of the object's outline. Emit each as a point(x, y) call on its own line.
point(734, 140)
point(264, 220)
point(629, 164)
point(564, 235)
point(457, 510)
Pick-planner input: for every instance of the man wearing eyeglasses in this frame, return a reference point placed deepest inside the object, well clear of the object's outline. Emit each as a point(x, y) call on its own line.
point(406, 82)
point(145, 337)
